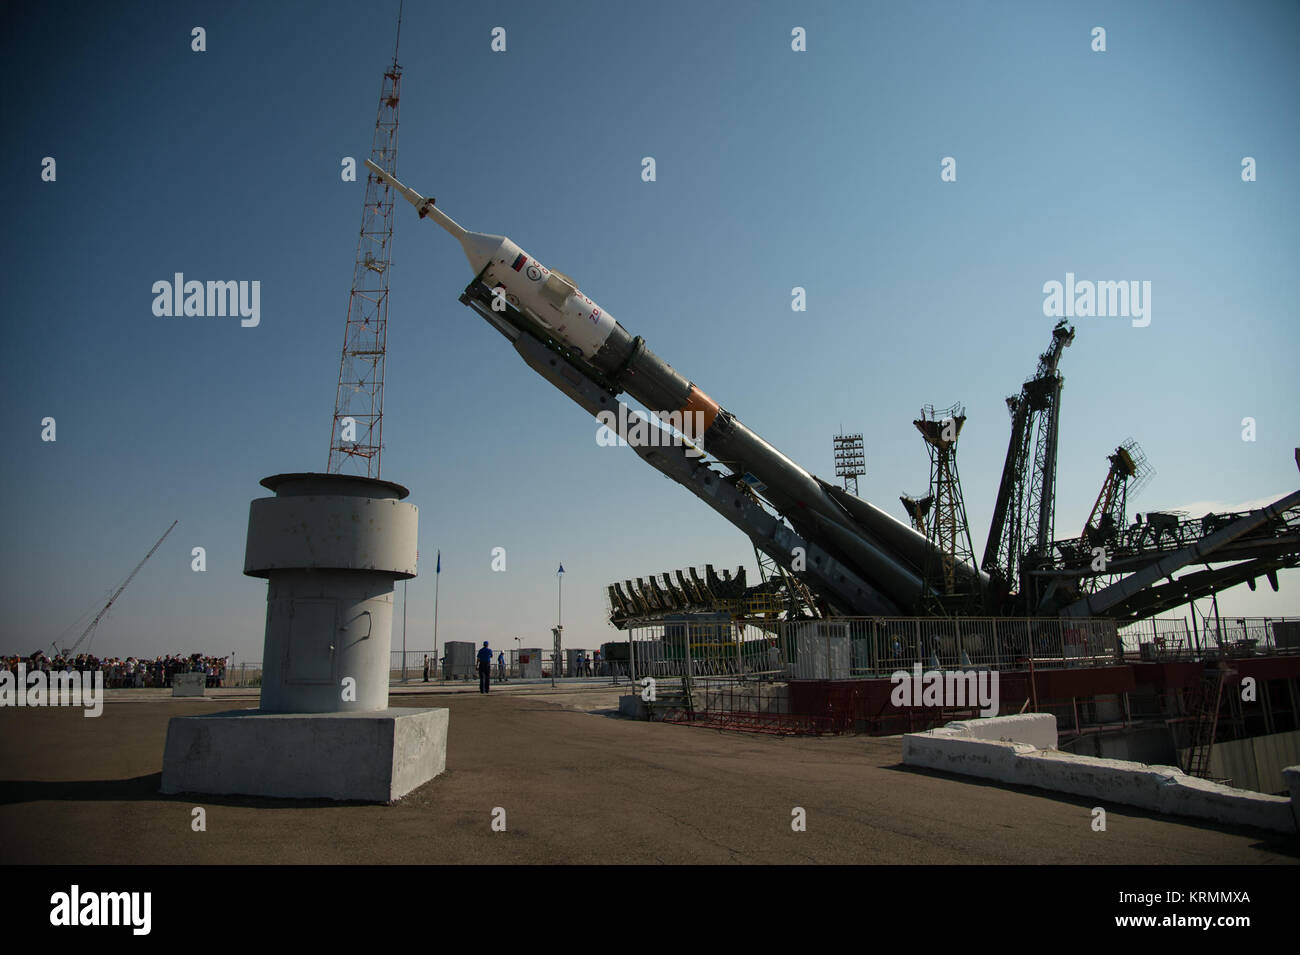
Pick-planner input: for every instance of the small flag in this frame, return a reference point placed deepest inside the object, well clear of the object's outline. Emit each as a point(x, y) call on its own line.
point(519, 262)
point(439, 570)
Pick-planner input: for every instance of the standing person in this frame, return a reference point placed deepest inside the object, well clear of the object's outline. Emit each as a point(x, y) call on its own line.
point(597, 663)
point(501, 667)
point(426, 668)
point(484, 669)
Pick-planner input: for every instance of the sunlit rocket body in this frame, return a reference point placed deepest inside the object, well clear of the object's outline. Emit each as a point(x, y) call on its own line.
point(548, 297)
point(870, 562)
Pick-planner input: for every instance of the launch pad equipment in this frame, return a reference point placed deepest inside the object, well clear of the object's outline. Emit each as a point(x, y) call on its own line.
point(860, 559)
point(856, 559)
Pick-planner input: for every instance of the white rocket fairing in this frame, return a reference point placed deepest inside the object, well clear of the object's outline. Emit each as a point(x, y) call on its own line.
point(549, 297)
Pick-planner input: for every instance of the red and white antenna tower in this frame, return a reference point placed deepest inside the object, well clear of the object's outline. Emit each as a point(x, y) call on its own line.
point(356, 436)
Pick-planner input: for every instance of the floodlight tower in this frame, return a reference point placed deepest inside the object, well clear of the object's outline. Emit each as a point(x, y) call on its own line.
point(949, 532)
point(356, 436)
point(850, 460)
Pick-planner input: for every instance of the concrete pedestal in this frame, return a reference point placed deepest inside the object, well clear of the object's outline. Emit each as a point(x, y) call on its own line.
point(331, 547)
point(377, 756)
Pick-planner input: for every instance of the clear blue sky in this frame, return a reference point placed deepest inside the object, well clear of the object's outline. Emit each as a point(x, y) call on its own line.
point(775, 169)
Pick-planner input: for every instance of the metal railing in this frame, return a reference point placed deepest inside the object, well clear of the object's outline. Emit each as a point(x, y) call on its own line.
point(1177, 638)
point(514, 670)
point(244, 674)
point(857, 647)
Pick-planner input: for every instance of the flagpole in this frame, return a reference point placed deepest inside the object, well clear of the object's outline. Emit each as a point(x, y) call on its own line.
point(437, 579)
point(559, 625)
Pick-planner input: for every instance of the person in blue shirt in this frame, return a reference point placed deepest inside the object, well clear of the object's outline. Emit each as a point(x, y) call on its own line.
point(501, 667)
point(484, 669)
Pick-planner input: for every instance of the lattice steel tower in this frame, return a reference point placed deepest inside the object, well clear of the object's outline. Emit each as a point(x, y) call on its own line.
point(357, 433)
point(1129, 472)
point(949, 532)
point(1023, 516)
point(850, 460)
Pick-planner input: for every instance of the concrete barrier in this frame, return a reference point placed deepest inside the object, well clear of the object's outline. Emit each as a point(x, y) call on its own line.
point(998, 749)
point(1291, 776)
point(1114, 780)
point(1190, 796)
point(1036, 729)
point(953, 752)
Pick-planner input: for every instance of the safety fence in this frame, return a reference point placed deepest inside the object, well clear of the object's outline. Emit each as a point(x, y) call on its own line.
point(819, 707)
point(839, 675)
point(847, 647)
point(519, 664)
point(1177, 638)
point(729, 703)
point(249, 674)
point(244, 674)
point(411, 665)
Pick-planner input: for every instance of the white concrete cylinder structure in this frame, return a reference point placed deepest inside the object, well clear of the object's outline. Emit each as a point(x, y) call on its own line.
point(331, 547)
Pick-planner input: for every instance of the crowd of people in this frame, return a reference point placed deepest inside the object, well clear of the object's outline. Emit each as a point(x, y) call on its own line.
point(129, 672)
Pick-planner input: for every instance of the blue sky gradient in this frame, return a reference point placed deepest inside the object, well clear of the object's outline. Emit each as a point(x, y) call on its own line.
point(775, 169)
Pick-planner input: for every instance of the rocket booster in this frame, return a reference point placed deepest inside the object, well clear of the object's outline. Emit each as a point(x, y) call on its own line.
point(889, 554)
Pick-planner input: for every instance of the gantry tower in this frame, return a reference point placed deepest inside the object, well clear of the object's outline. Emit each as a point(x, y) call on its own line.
point(1128, 474)
point(1023, 515)
point(948, 530)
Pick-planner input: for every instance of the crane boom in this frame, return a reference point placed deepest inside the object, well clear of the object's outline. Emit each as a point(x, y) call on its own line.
point(117, 593)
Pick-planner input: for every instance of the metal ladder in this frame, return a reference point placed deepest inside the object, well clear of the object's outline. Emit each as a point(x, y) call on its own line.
point(1205, 722)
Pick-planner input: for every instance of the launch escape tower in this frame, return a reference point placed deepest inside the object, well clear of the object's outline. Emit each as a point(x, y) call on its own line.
point(947, 530)
point(356, 437)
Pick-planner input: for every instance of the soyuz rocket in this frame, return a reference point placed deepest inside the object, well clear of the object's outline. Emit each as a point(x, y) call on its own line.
point(860, 559)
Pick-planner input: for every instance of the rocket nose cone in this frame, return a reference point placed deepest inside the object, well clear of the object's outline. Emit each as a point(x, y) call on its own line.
point(480, 248)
